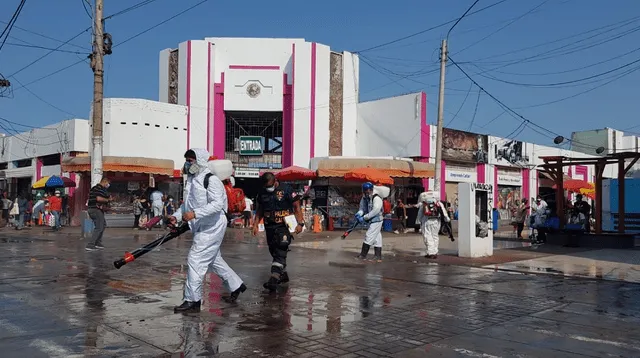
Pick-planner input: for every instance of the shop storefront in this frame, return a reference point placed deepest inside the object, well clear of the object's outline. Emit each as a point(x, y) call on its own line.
point(509, 191)
point(129, 176)
point(338, 200)
point(455, 174)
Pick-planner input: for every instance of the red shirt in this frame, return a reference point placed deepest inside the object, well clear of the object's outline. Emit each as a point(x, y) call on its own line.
point(55, 203)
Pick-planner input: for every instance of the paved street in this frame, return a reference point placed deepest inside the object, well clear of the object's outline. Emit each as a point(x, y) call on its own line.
point(56, 300)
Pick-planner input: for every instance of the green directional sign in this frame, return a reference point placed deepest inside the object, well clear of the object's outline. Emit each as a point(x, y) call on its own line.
point(250, 145)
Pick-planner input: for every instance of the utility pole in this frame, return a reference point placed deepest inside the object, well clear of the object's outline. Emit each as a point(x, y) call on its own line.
point(437, 182)
point(97, 62)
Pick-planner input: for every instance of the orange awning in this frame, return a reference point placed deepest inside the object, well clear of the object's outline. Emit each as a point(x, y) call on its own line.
point(120, 164)
point(395, 168)
point(376, 176)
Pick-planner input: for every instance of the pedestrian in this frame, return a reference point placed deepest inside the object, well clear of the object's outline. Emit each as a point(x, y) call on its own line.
point(401, 215)
point(157, 204)
point(22, 210)
point(204, 209)
point(55, 205)
point(371, 212)
point(519, 216)
point(430, 213)
point(276, 202)
point(99, 199)
point(6, 206)
point(248, 207)
point(137, 211)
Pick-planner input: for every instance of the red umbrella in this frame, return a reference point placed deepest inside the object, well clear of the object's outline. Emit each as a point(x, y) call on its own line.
point(295, 173)
point(575, 185)
point(373, 175)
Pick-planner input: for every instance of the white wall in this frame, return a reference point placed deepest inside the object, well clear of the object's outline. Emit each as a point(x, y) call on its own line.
point(236, 83)
point(302, 105)
point(66, 136)
point(389, 126)
point(322, 91)
point(350, 99)
point(143, 128)
point(588, 141)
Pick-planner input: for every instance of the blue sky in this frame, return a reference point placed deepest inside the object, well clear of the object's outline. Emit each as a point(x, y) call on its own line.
point(480, 44)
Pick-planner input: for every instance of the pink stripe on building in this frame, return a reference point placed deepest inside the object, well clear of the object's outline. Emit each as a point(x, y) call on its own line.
point(251, 67)
point(312, 115)
point(188, 94)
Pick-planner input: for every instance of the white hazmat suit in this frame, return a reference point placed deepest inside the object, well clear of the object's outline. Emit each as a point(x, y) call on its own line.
point(208, 228)
point(430, 212)
point(371, 210)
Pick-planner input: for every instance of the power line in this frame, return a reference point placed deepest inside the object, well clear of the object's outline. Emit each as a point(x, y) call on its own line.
point(13, 20)
point(505, 26)
point(43, 100)
point(44, 48)
point(44, 36)
point(160, 23)
point(428, 29)
point(51, 74)
point(554, 84)
point(513, 113)
point(50, 52)
point(84, 5)
point(130, 8)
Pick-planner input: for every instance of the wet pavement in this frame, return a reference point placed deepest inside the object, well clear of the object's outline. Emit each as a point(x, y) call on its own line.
point(56, 300)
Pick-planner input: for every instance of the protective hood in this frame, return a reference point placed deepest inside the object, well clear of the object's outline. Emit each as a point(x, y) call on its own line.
point(429, 197)
point(381, 191)
point(202, 156)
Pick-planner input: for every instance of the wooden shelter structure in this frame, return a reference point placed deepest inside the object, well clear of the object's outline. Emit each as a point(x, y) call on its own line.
point(553, 166)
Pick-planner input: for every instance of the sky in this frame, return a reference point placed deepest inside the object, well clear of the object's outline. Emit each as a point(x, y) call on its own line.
point(559, 65)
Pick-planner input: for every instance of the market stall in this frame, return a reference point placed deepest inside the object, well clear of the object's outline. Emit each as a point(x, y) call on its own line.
point(129, 176)
point(338, 198)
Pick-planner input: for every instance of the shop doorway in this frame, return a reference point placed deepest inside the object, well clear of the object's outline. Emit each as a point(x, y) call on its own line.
point(267, 125)
point(250, 187)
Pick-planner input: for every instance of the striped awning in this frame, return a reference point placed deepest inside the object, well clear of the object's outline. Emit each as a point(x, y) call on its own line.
point(121, 164)
point(395, 168)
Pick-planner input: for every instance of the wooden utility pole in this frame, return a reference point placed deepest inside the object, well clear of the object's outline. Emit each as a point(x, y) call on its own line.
point(97, 62)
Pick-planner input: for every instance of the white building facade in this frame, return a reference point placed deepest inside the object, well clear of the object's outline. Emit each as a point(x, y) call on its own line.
point(26, 157)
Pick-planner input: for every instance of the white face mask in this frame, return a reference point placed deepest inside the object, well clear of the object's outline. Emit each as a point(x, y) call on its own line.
point(271, 189)
point(170, 200)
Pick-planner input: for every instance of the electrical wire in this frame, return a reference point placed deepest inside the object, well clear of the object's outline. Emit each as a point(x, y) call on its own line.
point(515, 114)
point(51, 74)
point(461, 17)
point(44, 36)
point(160, 23)
point(50, 52)
point(475, 111)
point(461, 105)
point(44, 48)
point(505, 26)
point(84, 5)
point(13, 20)
point(43, 100)
point(130, 8)
point(426, 30)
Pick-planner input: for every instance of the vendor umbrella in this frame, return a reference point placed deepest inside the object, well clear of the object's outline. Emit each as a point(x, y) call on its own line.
point(574, 185)
point(295, 173)
point(373, 175)
point(54, 181)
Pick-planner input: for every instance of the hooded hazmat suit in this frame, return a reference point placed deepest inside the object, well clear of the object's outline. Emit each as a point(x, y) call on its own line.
point(430, 212)
point(208, 228)
point(371, 210)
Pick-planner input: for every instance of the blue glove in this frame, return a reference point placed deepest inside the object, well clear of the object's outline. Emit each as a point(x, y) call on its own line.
point(360, 219)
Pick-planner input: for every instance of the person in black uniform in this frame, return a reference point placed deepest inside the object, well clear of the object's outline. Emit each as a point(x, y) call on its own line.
point(274, 203)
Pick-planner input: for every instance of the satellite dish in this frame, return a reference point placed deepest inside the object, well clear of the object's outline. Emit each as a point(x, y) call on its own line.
point(600, 150)
point(559, 139)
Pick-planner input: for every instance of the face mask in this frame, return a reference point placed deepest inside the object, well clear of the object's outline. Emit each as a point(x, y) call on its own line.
point(107, 186)
point(271, 189)
point(190, 168)
point(57, 195)
point(170, 200)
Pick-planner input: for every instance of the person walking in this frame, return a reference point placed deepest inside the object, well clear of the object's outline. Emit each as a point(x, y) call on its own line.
point(55, 205)
point(205, 202)
point(99, 199)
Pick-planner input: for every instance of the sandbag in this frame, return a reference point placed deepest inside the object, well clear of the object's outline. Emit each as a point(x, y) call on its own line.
point(382, 191)
point(222, 168)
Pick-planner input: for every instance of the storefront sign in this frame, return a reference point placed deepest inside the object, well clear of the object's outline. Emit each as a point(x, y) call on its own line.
point(461, 174)
point(249, 145)
point(265, 165)
point(509, 177)
point(246, 173)
point(133, 185)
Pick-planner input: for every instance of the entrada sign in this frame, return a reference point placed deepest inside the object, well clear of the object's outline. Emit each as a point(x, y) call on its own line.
point(249, 145)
